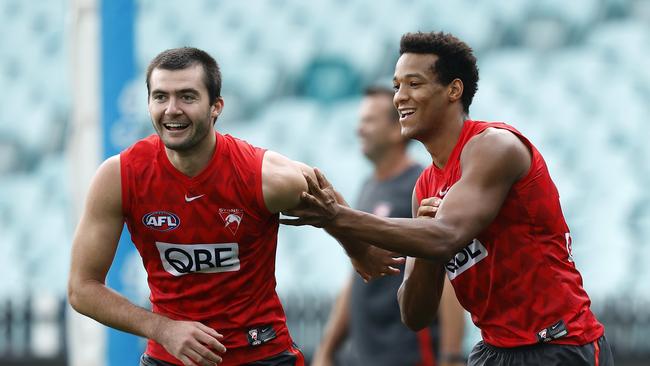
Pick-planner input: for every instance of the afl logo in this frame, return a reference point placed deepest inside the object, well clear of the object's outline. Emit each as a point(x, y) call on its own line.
point(161, 221)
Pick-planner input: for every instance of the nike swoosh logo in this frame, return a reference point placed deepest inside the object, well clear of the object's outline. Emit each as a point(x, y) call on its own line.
point(190, 199)
point(442, 193)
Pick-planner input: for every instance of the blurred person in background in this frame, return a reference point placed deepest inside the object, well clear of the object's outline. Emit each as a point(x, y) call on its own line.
point(202, 209)
point(366, 317)
point(498, 234)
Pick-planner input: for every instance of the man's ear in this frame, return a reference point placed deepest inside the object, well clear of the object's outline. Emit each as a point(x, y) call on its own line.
point(455, 90)
point(217, 107)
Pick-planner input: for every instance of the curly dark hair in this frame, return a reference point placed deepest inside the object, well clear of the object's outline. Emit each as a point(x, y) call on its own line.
point(184, 57)
point(455, 59)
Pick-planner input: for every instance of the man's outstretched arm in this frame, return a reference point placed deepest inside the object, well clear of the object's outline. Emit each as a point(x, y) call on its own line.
point(491, 163)
point(93, 249)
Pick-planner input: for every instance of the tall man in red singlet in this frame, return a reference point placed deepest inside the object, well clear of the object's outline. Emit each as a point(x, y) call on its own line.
point(202, 209)
point(499, 233)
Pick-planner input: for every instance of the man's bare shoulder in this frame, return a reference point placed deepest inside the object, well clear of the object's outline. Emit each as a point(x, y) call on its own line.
point(497, 138)
point(275, 164)
point(498, 142)
point(109, 169)
point(106, 186)
point(499, 150)
point(282, 181)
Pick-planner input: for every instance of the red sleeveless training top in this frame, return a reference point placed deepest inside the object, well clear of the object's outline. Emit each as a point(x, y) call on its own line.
point(517, 278)
point(208, 245)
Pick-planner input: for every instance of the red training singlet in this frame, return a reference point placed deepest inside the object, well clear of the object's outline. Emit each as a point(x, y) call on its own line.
point(208, 245)
point(517, 277)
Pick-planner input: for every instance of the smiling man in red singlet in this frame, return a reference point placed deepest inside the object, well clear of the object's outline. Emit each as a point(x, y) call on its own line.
point(202, 210)
point(499, 233)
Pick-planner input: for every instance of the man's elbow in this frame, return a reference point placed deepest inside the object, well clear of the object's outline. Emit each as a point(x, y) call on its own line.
point(76, 295)
point(448, 247)
point(413, 321)
point(73, 296)
point(410, 314)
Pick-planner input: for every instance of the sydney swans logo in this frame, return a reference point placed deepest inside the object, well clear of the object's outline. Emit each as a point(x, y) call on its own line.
point(232, 218)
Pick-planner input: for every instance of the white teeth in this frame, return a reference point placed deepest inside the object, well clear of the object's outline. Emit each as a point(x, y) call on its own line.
point(406, 112)
point(175, 125)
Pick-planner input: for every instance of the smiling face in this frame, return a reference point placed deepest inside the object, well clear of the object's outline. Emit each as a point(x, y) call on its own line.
point(421, 100)
point(180, 108)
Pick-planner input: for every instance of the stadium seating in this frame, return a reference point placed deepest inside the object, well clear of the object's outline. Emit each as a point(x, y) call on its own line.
point(572, 76)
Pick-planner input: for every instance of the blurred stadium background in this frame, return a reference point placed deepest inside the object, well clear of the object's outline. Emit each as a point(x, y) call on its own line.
point(572, 75)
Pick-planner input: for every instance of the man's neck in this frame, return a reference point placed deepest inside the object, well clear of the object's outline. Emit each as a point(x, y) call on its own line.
point(442, 143)
point(192, 162)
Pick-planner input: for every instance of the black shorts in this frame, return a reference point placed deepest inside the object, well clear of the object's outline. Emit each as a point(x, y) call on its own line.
point(596, 353)
point(291, 357)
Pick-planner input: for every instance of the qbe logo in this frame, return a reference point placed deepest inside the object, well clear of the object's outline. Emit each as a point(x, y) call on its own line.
point(161, 220)
point(466, 258)
point(181, 259)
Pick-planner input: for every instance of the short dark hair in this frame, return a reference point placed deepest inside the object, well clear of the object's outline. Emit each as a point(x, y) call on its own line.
point(184, 57)
point(374, 90)
point(455, 60)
